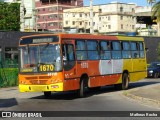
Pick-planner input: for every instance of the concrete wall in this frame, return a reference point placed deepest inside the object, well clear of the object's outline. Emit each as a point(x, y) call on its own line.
point(152, 45)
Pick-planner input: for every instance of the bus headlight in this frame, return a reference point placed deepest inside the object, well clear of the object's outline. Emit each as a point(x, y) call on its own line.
point(151, 71)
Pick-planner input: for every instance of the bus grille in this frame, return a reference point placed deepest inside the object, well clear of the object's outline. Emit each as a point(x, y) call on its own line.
point(41, 80)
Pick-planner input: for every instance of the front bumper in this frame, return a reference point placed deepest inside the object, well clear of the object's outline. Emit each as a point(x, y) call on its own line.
point(41, 88)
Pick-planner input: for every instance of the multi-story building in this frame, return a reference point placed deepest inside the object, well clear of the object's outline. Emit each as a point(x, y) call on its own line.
point(50, 13)
point(112, 18)
point(78, 19)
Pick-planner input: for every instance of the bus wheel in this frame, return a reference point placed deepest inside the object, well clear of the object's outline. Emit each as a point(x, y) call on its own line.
point(125, 81)
point(47, 94)
point(82, 89)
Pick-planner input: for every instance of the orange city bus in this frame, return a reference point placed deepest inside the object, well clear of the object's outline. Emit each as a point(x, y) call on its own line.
point(65, 62)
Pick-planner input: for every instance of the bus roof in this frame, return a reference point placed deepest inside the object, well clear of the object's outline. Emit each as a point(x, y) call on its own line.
point(90, 36)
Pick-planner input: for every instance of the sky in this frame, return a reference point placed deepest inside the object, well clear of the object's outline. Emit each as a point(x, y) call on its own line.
point(138, 2)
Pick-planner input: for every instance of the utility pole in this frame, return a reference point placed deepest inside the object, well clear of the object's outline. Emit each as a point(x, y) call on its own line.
point(91, 17)
point(22, 15)
point(57, 15)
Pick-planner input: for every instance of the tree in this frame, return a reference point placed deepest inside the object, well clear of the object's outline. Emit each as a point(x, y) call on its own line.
point(156, 13)
point(9, 16)
point(151, 2)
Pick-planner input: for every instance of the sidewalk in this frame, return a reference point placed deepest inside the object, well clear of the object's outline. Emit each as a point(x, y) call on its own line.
point(149, 95)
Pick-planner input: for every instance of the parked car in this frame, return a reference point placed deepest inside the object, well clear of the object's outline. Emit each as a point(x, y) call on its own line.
point(153, 70)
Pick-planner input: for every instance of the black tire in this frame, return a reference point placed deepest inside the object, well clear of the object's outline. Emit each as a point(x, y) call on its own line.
point(82, 89)
point(47, 94)
point(125, 81)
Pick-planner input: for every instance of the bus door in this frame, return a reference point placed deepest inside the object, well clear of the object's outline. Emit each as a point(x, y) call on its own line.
point(138, 56)
point(69, 63)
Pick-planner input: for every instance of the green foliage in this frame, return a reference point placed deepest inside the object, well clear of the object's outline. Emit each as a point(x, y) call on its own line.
point(8, 77)
point(156, 10)
point(158, 51)
point(9, 16)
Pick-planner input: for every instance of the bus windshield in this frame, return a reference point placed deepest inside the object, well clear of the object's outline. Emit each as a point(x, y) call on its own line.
point(40, 58)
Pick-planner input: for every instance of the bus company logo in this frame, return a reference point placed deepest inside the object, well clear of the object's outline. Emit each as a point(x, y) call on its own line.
point(6, 114)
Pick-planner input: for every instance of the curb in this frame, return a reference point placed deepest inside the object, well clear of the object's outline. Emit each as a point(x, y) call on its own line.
point(143, 100)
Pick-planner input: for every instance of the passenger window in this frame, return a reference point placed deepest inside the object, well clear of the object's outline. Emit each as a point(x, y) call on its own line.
point(116, 50)
point(105, 53)
point(135, 49)
point(70, 52)
point(126, 50)
point(92, 47)
point(141, 48)
point(80, 45)
point(81, 53)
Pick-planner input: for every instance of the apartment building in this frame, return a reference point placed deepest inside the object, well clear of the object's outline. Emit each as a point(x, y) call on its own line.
point(78, 19)
point(50, 13)
point(112, 18)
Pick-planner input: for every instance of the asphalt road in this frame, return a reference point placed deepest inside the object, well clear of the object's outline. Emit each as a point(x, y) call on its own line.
point(106, 99)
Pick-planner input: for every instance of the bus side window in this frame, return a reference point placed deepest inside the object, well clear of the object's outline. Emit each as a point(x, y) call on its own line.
point(81, 53)
point(116, 50)
point(126, 50)
point(70, 52)
point(105, 53)
point(134, 50)
point(64, 53)
point(92, 47)
point(141, 48)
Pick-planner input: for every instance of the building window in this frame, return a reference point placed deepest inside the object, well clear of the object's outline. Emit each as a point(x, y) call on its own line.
point(121, 9)
point(73, 22)
point(132, 26)
point(121, 26)
point(51, 24)
point(66, 22)
point(50, 9)
point(43, 9)
point(121, 17)
point(80, 15)
point(109, 18)
point(109, 26)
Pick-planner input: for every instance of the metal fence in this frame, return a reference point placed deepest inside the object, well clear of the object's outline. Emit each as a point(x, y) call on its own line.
point(8, 73)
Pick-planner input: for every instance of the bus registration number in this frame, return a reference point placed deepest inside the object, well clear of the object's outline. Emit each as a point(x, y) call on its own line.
point(84, 65)
point(46, 68)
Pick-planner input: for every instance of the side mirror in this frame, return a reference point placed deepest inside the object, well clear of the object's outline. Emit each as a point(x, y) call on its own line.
point(146, 49)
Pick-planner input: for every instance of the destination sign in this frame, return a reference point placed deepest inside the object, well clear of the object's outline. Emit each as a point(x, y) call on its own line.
point(39, 39)
point(42, 40)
